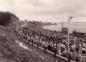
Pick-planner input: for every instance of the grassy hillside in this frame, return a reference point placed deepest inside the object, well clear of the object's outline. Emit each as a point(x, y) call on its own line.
point(12, 51)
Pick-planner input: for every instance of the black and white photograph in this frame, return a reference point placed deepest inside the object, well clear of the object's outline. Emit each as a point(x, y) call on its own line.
point(42, 30)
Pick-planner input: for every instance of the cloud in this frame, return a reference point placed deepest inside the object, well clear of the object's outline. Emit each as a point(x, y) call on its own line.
point(45, 9)
point(6, 5)
point(51, 6)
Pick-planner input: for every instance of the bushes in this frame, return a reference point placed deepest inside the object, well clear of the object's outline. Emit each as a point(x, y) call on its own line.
point(6, 18)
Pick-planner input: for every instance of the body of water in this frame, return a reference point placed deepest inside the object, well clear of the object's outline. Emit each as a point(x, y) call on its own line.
point(79, 26)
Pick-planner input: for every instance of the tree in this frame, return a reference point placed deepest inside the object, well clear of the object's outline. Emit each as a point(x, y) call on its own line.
point(75, 33)
point(6, 18)
point(65, 30)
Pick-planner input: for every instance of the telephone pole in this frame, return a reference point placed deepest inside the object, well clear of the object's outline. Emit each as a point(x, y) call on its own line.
point(70, 18)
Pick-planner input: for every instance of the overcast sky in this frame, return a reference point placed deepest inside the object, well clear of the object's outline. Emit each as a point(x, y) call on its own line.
point(46, 10)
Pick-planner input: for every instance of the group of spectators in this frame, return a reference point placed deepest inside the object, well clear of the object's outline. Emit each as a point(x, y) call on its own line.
point(51, 40)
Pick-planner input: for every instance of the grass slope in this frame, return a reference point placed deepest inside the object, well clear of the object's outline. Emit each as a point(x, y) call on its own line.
point(11, 51)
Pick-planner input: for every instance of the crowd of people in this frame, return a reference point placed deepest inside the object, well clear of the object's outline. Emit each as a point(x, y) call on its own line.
point(51, 40)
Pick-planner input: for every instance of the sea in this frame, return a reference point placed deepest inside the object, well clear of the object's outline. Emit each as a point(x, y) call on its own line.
point(78, 26)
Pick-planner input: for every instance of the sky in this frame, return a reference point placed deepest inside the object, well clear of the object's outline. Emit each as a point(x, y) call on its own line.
point(46, 10)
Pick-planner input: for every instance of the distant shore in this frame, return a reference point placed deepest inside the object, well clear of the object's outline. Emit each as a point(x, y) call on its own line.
point(80, 27)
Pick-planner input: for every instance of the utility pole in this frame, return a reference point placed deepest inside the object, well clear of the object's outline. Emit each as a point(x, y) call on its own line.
point(70, 18)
